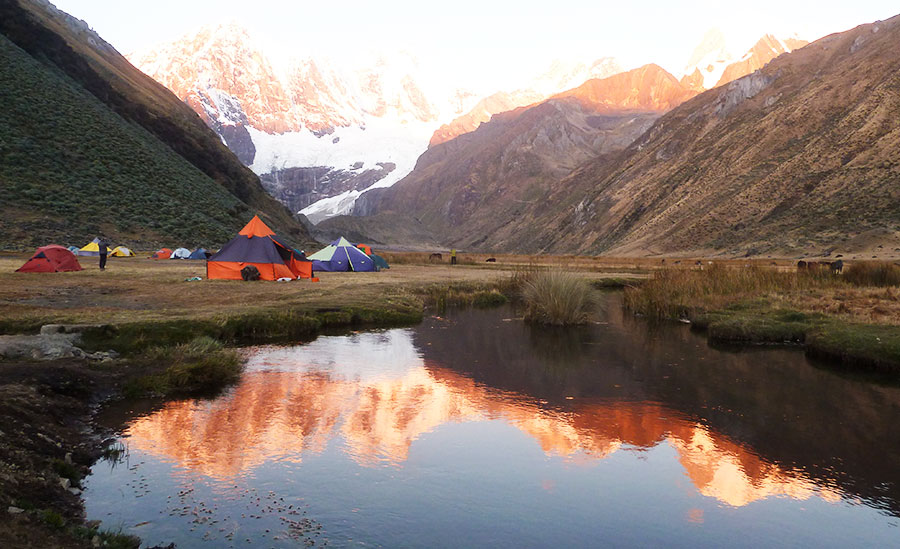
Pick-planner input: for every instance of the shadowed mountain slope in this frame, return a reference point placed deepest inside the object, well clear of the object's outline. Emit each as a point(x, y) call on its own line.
point(801, 155)
point(470, 187)
point(85, 133)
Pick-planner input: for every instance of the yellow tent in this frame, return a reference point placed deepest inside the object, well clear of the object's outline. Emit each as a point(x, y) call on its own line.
point(93, 248)
point(121, 251)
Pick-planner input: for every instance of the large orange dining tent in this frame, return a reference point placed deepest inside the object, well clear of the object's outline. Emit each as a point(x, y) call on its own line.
point(259, 246)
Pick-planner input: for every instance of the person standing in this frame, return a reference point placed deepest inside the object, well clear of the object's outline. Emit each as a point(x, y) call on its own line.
point(453, 256)
point(103, 245)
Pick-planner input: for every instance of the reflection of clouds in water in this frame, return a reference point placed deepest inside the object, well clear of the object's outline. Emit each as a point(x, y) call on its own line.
point(377, 393)
point(362, 356)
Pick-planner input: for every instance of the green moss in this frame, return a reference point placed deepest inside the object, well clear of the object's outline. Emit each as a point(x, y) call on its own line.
point(67, 470)
point(864, 345)
point(52, 518)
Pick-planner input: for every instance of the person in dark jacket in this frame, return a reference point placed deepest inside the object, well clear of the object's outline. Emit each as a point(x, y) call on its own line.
point(104, 247)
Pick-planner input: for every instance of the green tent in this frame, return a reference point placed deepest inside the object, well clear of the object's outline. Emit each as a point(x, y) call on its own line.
point(379, 261)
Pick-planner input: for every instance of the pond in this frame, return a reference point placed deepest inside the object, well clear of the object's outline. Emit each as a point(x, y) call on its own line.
point(476, 429)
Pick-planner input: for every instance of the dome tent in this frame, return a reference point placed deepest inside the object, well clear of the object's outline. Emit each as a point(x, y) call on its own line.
point(121, 251)
point(341, 255)
point(180, 253)
point(162, 253)
point(92, 248)
point(259, 246)
point(200, 253)
point(50, 259)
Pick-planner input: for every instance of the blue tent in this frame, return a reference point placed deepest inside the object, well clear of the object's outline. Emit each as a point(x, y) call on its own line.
point(199, 253)
point(340, 255)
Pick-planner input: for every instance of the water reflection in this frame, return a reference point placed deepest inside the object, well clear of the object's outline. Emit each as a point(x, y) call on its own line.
point(380, 392)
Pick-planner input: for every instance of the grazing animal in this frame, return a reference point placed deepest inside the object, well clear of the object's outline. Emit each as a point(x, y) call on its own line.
point(837, 266)
point(491, 260)
point(802, 265)
point(435, 257)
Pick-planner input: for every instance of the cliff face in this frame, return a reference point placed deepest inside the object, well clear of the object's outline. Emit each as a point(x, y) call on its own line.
point(297, 188)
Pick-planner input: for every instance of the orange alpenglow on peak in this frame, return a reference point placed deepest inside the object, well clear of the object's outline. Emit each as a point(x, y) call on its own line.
point(256, 228)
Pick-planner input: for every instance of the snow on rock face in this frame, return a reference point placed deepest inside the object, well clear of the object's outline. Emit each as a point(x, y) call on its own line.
point(315, 112)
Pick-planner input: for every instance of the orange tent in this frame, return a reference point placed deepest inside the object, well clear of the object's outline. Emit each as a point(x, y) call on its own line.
point(365, 248)
point(163, 253)
point(259, 246)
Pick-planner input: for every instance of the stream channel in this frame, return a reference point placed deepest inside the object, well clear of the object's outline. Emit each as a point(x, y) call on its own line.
point(476, 429)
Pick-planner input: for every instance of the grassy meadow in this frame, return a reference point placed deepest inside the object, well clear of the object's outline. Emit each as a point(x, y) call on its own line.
point(851, 317)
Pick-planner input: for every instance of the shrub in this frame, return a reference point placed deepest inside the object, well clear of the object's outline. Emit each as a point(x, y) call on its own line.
point(558, 298)
point(203, 364)
point(873, 273)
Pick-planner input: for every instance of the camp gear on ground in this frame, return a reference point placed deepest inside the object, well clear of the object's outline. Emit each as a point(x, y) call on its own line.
point(259, 246)
point(50, 259)
point(180, 253)
point(340, 255)
point(250, 272)
point(162, 253)
point(121, 251)
point(92, 248)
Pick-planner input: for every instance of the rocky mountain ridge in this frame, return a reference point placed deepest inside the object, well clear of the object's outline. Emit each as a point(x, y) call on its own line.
point(470, 186)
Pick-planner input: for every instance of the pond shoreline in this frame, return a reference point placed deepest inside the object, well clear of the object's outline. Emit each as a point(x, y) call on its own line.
point(50, 438)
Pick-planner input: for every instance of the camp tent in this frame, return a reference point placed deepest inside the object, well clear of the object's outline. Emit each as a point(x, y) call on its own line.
point(92, 248)
point(200, 253)
point(259, 246)
point(73, 249)
point(162, 253)
point(366, 248)
point(340, 255)
point(380, 262)
point(180, 253)
point(50, 259)
point(121, 251)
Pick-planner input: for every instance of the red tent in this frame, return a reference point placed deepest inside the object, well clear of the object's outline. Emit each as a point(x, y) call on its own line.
point(50, 259)
point(257, 245)
point(163, 253)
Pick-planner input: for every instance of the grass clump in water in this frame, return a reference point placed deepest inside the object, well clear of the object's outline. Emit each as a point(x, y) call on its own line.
point(873, 273)
point(558, 298)
point(201, 365)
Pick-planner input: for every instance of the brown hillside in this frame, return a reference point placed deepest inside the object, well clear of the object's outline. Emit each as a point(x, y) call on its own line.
point(470, 187)
point(801, 156)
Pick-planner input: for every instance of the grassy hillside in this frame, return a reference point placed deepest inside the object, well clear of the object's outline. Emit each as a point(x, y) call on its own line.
point(72, 168)
point(79, 120)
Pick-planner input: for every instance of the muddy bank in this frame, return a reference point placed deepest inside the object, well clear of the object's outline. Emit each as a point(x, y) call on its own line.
point(47, 445)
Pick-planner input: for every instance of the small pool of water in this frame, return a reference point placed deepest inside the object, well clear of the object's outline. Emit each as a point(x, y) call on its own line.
point(475, 429)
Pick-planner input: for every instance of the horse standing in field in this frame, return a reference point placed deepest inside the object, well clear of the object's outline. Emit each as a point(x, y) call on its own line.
point(836, 266)
point(435, 257)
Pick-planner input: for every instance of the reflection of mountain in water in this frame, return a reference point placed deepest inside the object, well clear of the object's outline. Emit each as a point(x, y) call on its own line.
point(379, 395)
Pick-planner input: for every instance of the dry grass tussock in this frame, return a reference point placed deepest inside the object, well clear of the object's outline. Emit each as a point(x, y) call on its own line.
point(557, 298)
point(681, 293)
point(855, 295)
point(873, 273)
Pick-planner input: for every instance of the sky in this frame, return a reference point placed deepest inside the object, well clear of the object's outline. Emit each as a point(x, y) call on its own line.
point(484, 44)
